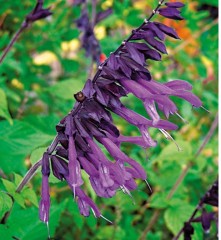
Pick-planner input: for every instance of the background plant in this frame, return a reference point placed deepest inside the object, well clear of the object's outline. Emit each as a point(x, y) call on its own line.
point(35, 82)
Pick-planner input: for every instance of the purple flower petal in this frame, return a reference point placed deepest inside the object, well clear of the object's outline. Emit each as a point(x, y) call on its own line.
point(146, 136)
point(206, 220)
point(152, 111)
point(100, 190)
point(84, 202)
point(166, 105)
point(158, 32)
point(150, 39)
point(167, 30)
point(59, 167)
point(190, 97)
point(130, 184)
point(69, 125)
point(44, 204)
point(112, 148)
point(38, 13)
point(101, 96)
point(134, 53)
point(88, 167)
point(179, 85)
point(125, 175)
point(84, 208)
point(174, 4)
point(132, 117)
point(100, 156)
point(112, 62)
point(105, 178)
point(172, 13)
point(45, 165)
point(154, 87)
point(88, 89)
point(109, 127)
point(134, 140)
point(74, 176)
point(139, 170)
point(137, 89)
point(152, 54)
point(163, 124)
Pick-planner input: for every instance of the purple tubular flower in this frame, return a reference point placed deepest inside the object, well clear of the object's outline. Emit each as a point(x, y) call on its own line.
point(166, 30)
point(206, 220)
point(170, 12)
point(116, 153)
point(211, 196)
point(150, 92)
point(179, 85)
point(45, 170)
point(138, 120)
point(174, 4)
point(73, 166)
point(100, 190)
point(38, 13)
point(59, 167)
point(104, 174)
point(149, 36)
point(146, 136)
point(144, 95)
point(134, 140)
point(85, 203)
point(44, 204)
point(88, 39)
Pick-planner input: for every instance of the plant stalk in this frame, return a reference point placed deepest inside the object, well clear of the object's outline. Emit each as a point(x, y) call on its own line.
point(31, 172)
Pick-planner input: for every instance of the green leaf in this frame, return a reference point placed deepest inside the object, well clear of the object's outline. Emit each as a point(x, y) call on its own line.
point(176, 215)
point(66, 89)
point(5, 204)
point(30, 195)
point(198, 232)
point(11, 188)
point(45, 124)
point(170, 152)
point(74, 211)
point(17, 142)
point(107, 231)
point(37, 155)
point(4, 107)
point(26, 194)
point(25, 224)
point(159, 200)
point(70, 65)
point(17, 178)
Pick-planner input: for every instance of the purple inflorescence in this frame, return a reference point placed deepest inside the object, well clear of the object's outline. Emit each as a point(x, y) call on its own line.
point(90, 125)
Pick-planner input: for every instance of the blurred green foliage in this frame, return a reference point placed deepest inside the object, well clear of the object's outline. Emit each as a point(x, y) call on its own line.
point(37, 81)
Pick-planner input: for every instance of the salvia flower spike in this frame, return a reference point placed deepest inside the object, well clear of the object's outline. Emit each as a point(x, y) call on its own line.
point(89, 124)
